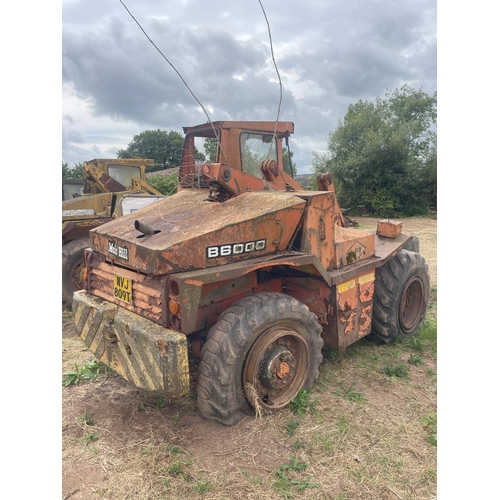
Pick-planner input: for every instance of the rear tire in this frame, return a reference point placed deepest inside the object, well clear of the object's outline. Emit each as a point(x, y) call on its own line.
point(401, 297)
point(72, 268)
point(413, 244)
point(260, 353)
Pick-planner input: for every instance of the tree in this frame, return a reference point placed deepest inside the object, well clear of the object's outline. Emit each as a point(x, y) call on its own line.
point(74, 172)
point(166, 184)
point(210, 145)
point(383, 154)
point(165, 148)
point(288, 162)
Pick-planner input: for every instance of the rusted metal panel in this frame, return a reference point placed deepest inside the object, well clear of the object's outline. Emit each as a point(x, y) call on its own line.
point(313, 292)
point(144, 353)
point(203, 294)
point(148, 293)
point(100, 204)
point(389, 228)
point(318, 227)
point(199, 293)
point(233, 181)
point(354, 309)
point(385, 249)
point(203, 234)
point(324, 236)
point(207, 315)
point(254, 126)
point(76, 229)
point(324, 182)
point(352, 245)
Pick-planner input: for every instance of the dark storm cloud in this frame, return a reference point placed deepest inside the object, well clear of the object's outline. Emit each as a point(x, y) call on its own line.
point(329, 54)
point(125, 77)
point(117, 73)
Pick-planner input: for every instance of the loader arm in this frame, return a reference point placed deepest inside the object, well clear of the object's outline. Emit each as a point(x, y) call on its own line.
point(105, 183)
point(140, 185)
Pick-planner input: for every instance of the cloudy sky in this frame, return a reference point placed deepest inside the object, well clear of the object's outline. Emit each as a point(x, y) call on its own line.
point(328, 53)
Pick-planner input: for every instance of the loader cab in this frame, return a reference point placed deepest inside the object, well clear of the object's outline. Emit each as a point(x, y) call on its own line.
point(72, 188)
point(240, 145)
point(125, 173)
point(116, 174)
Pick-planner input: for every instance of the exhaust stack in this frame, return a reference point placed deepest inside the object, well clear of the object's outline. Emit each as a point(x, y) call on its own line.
point(145, 230)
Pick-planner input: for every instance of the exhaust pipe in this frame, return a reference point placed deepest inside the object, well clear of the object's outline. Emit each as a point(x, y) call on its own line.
point(146, 230)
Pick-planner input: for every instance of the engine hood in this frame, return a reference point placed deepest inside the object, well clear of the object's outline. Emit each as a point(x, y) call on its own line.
point(191, 232)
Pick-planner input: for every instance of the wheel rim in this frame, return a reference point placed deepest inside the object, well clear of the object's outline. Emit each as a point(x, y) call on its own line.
point(77, 275)
point(276, 367)
point(412, 304)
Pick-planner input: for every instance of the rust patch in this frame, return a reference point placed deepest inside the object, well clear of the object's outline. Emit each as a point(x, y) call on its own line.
point(163, 347)
point(283, 370)
point(195, 282)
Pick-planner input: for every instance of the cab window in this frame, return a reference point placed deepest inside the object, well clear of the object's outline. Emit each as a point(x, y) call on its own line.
point(256, 148)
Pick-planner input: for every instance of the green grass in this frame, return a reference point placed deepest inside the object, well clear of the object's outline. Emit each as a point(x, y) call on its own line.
point(178, 467)
point(430, 424)
point(306, 483)
point(429, 332)
point(398, 370)
point(415, 360)
point(325, 442)
point(283, 482)
point(173, 449)
point(202, 487)
point(87, 419)
point(91, 437)
point(90, 370)
point(329, 354)
point(299, 444)
point(413, 343)
point(293, 465)
point(342, 425)
point(160, 402)
point(291, 425)
point(301, 403)
point(255, 480)
point(351, 393)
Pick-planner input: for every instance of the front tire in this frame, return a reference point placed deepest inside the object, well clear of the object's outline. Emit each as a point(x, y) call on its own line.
point(73, 268)
point(268, 343)
point(401, 297)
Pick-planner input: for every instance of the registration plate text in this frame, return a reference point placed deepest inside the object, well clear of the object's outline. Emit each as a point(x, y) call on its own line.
point(123, 288)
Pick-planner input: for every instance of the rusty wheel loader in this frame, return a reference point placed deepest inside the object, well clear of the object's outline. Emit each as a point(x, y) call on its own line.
point(97, 199)
point(247, 271)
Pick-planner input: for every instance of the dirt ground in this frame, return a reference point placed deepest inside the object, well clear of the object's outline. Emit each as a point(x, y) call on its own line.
point(363, 434)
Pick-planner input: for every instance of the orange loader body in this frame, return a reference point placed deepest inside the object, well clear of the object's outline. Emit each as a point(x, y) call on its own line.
point(167, 280)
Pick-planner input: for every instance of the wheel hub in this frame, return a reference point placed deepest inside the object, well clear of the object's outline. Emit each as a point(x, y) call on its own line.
point(278, 367)
point(411, 308)
point(77, 277)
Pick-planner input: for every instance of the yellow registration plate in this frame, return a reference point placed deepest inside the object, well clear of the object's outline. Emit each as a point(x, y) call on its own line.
point(123, 288)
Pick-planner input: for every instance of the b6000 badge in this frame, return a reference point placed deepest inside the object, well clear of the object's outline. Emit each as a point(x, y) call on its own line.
point(235, 249)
